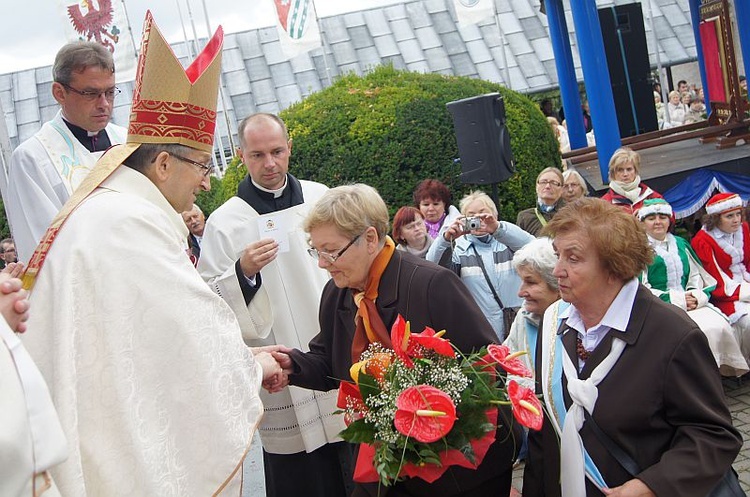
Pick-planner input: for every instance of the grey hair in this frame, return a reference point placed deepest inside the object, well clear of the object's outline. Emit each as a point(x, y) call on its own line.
point(572, 173)
point(77, 56)
point(473, 197)
point(351, 209)
point(538, 256)
point(145, 154)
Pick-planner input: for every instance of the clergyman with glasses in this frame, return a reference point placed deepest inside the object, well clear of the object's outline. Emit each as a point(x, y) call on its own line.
point(254, 254)
point(45, 169)
point(549, 190)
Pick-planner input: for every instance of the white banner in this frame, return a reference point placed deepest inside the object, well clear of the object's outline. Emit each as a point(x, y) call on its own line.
point(105, 22)
point(297, 27)
point(472, 11)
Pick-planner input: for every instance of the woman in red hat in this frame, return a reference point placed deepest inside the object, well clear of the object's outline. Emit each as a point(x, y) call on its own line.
point(723, 246)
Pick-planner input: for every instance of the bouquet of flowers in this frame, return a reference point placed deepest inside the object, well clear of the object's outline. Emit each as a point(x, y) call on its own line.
point(423, 406)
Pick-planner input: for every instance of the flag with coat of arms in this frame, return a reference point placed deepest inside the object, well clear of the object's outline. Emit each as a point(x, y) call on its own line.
point(297, 27)
point(105, 22)
point(472, 11)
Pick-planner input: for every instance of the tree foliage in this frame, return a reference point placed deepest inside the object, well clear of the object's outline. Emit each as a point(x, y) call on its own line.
point(391, 129)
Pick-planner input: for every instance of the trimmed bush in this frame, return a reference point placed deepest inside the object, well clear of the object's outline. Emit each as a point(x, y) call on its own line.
point(391, 129)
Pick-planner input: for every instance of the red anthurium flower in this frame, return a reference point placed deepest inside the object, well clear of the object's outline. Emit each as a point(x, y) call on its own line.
point(424, 413)
point(434, 341)
point(526, 407)
point(401, 341)
point(349, 395)
point(509, 362)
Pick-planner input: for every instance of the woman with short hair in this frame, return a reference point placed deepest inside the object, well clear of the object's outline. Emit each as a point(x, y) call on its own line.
point(371, 284)
point(410, 232)
point(574, 186)
point(611, 355)
point(626, 190)
point(481, 256)
point(549, 190)
point(433, 199)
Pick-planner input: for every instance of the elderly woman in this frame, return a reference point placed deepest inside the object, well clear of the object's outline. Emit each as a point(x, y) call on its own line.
point(676, 276)
point(723, 245)
point(433, 199)
point(549, 190)
point(534, 263)
point(574, 186)
point(372, 281)
point(410, 232)
point(676, 110)
point(625, 188)
point(481, 255)
point(637, 370)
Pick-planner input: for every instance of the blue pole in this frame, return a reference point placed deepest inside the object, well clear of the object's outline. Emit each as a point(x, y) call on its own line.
point(566, 73)
point(695, 19)
point(598, 85)
point(742, 9)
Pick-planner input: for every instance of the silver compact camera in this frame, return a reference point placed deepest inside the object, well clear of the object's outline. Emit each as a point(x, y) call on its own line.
point(472, 223)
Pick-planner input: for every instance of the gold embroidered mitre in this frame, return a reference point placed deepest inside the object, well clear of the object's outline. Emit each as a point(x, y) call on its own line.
point(172, 104)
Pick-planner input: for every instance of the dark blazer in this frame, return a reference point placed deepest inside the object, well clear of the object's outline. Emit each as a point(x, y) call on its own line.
point(426, 295)
point(662, 403)
point(195, 247)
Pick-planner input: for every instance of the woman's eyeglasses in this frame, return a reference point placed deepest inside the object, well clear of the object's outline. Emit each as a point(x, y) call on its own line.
point(331, 258)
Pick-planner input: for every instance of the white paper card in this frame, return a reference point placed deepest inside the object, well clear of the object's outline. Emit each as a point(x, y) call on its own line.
point(274, 226)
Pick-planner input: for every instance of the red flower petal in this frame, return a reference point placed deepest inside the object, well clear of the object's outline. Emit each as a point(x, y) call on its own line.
point(400, 338)
point(348, 391)
point(524, 404)
point(514, 365)
point(427, 339)
point(424, 413)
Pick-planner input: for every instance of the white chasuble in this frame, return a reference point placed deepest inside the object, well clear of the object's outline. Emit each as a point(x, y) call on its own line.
point(156, 392)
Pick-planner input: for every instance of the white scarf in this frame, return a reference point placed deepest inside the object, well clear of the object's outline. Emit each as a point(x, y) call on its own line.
point(583, 394)
point(631, 190)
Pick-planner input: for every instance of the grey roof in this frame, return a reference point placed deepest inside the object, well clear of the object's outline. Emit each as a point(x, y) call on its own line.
point(419, 36)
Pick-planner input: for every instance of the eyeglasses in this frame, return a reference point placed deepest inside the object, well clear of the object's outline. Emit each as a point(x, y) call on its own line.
point(207, 168)
point(550, 182)
point(92, 96)
point(572, 186)
point(331, 258)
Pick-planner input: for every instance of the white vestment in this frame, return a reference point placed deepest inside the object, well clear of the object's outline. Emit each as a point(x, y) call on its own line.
point(283, 311)
point(43, 172)
point(31, 439)
point(156, 392)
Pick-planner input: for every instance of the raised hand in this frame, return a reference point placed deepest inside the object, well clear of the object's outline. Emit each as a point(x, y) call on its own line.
point(257, 255)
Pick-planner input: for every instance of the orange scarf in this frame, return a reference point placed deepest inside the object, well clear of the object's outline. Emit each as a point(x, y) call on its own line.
point(369, 325)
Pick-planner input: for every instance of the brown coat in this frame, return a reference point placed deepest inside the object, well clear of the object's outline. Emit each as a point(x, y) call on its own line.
point(426, 295)
point(662, 403)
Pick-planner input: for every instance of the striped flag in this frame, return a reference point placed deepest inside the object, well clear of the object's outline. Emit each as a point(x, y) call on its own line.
point(105, 22)
point(298, 27)
point(473, 11)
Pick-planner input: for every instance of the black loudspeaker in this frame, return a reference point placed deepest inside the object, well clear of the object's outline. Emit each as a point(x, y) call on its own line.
point(483, 139)
point(629, 69)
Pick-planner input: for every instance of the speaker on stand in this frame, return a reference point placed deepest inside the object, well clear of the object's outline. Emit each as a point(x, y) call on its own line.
point(483, 140)
point(629, 68)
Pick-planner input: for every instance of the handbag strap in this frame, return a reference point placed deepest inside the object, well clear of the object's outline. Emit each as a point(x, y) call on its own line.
point(614, 450)
point(487, 278)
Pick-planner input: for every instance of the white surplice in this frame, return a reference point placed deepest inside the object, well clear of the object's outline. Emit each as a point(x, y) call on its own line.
point(43, 172)
point(156, 392)
point(283, 311)
point(31, 439)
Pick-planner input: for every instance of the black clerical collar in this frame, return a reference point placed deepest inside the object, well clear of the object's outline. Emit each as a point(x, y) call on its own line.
point(93, 143)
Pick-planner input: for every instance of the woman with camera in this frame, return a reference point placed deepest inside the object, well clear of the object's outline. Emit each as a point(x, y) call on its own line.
point(483, 249)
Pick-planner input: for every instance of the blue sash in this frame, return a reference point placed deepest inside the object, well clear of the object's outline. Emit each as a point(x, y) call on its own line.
point(552, 380)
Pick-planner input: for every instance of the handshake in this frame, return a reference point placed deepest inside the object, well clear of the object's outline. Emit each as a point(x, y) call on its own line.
point(276, 364)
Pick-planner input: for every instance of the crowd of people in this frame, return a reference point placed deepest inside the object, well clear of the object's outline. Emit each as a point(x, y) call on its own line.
point(150, 329)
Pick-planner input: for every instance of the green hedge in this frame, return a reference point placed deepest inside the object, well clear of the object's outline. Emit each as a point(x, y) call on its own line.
point(391, 129)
